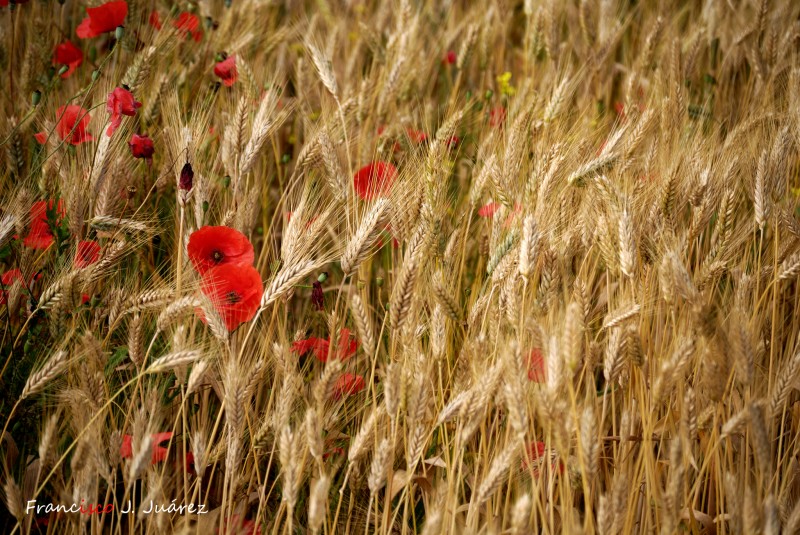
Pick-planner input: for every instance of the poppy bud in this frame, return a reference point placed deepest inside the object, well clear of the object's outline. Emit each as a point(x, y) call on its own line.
point(322, 276)
point(187, 177)
point(360, 285)
point(228, 3)
point(205, 206)
point(119, 32)
point(209, 23)
point(95, 75)
point(63, 69)
point(489, 94)
point(36, 96)
point(379, 282)
point(317, 296)
point(286, 159)
point(226, 181)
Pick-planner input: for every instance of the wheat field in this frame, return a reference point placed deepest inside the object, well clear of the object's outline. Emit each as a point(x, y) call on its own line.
point(407, 266)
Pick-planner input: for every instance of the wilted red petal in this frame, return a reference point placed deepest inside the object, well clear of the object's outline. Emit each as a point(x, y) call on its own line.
point(374, 179)
point(102, 19)
point(41, 137)
point(213, 246)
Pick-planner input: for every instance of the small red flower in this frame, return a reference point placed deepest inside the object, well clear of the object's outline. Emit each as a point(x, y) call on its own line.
point(239, 526)
point(154, 20)
point(72, 123)
point(159, 452)
point(453, 142)
point(497, 116)
point(88, 253)
point(226, 70)
point(537, 453)
point(347, 385)
point(8, 278)
point(235, 290)
point(417, 136)
point(374, 179)
point(450, 58)
point(102, 19)
point(120, 102)
point(189, 24)
point(536, 369)
point(320, 347)
point(41, 137)
point(68, 54)
point(142, 147)
point(488, 210)
point(40, 236)
point(214, 246)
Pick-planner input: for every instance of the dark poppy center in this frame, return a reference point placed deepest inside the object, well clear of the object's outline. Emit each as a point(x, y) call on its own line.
point(233, 298)
point(217, 255)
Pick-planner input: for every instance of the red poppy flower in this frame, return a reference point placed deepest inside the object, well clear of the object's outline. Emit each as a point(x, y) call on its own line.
point(214, 246)
point(536, 369)
point(8, 278)
point(320, 347)
point(40, 236)
point(450, 58)
point(159, 452)
point(347, 385)
point(417, 136)
point(154, 20)
point(88, 253)
point(488, 210)
point(334, 451)
point(103, 18)
point(189, 24)
point(235, 290)
point(72, 123)
point(142, 147)
point(453, 142)
point(120, 102)
point(85, 298)
point(239, 526)
point(41, 137)
point(537, 453)
point(226, 70)
point(497, 116)
point(68, 54)
point(374, 179)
